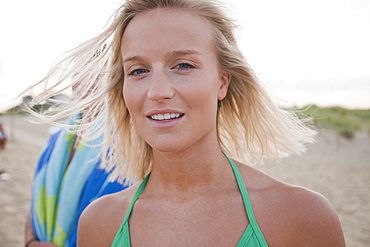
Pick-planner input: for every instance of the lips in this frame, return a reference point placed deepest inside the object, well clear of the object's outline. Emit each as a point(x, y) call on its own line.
point(165, 116)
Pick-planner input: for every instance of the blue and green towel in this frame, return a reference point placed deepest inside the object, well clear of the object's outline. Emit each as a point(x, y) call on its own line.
point(60, 193)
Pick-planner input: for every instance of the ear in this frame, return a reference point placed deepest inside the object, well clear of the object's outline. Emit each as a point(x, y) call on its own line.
point(225, 79)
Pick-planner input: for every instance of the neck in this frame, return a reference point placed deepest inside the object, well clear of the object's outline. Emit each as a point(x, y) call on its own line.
point(190, 174)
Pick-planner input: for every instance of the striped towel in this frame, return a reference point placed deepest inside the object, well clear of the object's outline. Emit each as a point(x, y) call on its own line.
point(60, 192)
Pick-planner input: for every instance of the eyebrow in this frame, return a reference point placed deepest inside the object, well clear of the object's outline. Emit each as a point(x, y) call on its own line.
point(169, 55)
point(183, 52)
point(133, 59)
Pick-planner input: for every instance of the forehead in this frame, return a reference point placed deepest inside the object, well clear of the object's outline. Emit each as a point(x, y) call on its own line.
point(166, 28)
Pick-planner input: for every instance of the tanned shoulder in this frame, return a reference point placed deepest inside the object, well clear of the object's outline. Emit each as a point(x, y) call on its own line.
point(313, 218)
point(100, 221)
point(290, 215)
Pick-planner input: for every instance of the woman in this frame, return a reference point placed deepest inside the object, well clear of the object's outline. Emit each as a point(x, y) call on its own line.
point(179, 100)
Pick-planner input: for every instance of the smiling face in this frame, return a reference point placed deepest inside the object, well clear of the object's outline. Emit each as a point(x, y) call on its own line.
point(172, 81)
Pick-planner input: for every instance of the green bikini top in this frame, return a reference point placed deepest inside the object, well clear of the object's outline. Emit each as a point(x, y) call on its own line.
point(252, 236)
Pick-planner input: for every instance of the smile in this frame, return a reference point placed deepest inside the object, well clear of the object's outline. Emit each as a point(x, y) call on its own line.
point(166, 116)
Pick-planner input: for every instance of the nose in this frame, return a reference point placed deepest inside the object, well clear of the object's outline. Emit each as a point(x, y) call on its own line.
point(160, 87)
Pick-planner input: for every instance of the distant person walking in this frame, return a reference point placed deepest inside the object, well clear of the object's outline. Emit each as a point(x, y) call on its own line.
point(3, 139)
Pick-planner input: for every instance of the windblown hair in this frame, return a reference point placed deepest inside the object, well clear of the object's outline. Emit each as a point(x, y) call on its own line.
point(250, 125)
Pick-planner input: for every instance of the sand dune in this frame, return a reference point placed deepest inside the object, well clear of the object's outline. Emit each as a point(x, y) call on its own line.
point(335, 167)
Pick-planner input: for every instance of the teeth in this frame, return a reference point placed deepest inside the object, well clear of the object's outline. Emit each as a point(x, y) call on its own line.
point(166, 116)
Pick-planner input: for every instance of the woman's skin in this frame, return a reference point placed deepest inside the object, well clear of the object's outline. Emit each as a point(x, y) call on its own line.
point(192, 198)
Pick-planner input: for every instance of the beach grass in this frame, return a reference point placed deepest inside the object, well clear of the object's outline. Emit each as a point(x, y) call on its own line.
point(345, 121)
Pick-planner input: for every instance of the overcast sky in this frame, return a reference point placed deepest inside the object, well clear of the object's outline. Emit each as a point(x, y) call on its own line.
point(313, 51)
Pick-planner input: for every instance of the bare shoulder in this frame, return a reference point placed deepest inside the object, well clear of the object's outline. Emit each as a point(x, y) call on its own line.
point(307, 217)
point(100, 221)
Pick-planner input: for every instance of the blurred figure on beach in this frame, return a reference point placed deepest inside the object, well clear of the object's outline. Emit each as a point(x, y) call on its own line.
point(66, 180)
point(3, 139)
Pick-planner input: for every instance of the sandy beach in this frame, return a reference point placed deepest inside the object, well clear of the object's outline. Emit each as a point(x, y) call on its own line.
point(336, 167)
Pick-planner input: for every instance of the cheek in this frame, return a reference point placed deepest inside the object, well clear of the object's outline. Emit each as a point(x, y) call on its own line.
point(202, 99)
point(205, 93)
point(133, 97)
point(127, 96)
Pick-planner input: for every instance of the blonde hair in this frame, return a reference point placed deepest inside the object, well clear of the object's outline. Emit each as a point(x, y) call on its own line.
point(251, 126)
